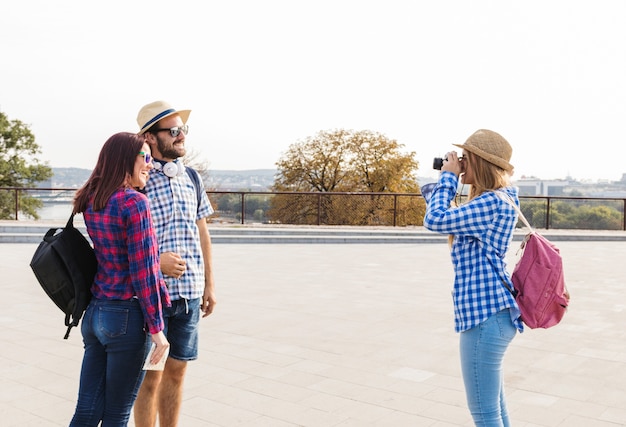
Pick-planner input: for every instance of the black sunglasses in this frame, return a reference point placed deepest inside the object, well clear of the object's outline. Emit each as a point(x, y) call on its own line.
point(175, 131)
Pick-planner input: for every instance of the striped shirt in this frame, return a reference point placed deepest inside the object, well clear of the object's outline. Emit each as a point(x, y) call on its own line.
point(128, 260)
point(482, 227)
point(175, 210)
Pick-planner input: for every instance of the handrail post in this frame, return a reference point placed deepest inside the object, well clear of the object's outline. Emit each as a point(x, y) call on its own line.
point(395, 208)
point(319, 209)
point(243, 208)
point(548, 213)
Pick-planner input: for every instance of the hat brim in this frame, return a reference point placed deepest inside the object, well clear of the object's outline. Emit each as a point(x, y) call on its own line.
point(184, 115)
point(495, 160)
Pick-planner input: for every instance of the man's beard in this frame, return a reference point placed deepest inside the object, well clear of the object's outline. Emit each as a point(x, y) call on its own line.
point(168, 151)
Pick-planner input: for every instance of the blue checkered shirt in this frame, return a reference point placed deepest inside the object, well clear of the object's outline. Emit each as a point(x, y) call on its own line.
point(174, 208)
point(482, 227)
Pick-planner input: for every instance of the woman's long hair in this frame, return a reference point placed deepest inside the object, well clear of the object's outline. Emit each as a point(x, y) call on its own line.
point(116, 163)
point(487, 176)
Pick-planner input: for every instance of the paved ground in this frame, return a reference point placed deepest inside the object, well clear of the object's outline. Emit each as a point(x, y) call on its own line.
point(340, 335)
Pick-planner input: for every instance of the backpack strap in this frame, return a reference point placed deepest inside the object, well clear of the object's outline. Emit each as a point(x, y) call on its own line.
point(195, 178)
point(68, 314)
point(70, 221)
point(506, 285)
point(507, 198)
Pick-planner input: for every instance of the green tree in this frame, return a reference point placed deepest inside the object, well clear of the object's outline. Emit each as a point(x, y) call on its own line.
point(576, 214)
point(19, 167)
point(587, 216)
point(344, 161)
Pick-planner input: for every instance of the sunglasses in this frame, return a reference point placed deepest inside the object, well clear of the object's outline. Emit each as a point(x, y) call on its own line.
point(175, 131)
point(146, 156)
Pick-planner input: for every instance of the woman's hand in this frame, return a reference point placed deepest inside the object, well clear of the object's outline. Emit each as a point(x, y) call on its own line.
point(452, 163)
point(161, 346)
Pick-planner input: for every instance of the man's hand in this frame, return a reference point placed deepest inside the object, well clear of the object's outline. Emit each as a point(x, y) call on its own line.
point(172, 264)
point(208, 302)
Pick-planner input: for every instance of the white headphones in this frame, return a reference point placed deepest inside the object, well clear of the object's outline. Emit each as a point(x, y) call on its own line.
point(170, 169)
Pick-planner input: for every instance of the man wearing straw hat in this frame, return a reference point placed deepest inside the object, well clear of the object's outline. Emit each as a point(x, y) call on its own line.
point(179, 207)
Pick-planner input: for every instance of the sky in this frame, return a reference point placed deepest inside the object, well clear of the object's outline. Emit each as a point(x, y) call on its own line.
point(259, 76)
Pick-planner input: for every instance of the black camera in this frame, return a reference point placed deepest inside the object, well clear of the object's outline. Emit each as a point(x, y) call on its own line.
point(438, 163)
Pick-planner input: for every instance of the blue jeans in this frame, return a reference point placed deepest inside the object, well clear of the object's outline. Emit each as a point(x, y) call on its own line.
point(116, 345)
point(482, 351)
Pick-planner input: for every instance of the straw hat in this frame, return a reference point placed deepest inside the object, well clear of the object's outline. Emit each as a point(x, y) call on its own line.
point(155, 111)
point(490, 146)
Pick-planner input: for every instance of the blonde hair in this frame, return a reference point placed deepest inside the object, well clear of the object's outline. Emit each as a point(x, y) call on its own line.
point(487, 176)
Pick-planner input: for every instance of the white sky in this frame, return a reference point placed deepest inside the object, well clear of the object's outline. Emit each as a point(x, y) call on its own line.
point(261, 75)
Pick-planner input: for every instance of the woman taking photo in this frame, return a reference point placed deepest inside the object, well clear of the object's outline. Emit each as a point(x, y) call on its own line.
point(128, 292)
point(485, 312)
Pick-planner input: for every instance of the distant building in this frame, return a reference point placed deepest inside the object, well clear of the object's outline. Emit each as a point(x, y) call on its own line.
point(539, 187)
point(570, 187)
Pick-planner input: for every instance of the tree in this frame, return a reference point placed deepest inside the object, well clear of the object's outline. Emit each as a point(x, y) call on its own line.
point(19, 167)
point(576, 214)
point(194, 159)
point(344, 161)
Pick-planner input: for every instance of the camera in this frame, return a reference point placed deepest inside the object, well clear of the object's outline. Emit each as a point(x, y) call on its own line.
point(438, 163)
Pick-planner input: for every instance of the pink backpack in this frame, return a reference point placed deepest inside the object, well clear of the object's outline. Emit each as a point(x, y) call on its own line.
point(539, 285)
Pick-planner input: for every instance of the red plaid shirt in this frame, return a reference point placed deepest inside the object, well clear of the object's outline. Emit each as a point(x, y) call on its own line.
point(128, 257)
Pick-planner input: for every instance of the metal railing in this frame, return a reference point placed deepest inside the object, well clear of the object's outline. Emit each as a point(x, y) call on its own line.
point(347, 208)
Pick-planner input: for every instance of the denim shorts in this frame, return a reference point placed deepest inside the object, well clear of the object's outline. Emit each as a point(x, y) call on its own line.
point(181, 328)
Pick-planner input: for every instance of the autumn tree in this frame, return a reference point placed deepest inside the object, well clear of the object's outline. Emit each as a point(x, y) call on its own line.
point(361, 162)
point(19, 167)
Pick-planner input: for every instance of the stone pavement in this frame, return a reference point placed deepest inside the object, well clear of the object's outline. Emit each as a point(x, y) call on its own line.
point(340, 335)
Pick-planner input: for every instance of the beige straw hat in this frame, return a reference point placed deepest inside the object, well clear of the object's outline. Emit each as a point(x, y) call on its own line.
point(490, 146)
point(155, 111)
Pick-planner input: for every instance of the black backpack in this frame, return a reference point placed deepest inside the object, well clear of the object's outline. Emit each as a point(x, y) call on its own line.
point(65, 265)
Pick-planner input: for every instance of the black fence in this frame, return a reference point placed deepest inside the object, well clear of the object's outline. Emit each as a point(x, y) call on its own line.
point(341, 208)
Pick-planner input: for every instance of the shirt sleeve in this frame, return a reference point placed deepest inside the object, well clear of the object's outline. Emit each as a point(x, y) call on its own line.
point(143, 257)
point(470, 219)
